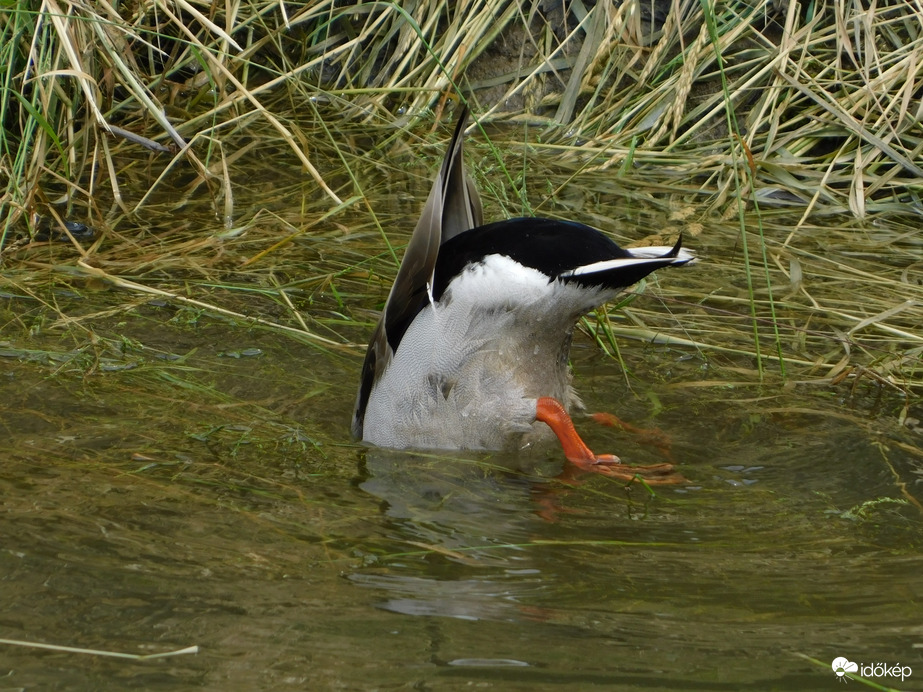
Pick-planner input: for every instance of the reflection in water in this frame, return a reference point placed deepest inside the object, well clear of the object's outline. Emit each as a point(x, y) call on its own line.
point(737, 578)
point(465, 599)
point(453, 503)
point(470, 514)
point(472, 529)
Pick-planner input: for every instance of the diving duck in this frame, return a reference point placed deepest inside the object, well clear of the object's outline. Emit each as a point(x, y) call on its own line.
point(471, 351)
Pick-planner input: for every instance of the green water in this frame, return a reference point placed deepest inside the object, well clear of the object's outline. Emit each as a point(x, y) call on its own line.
point(171, 477)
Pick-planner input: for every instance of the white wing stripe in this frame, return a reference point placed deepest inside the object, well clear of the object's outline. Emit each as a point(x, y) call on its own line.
point(656, 256)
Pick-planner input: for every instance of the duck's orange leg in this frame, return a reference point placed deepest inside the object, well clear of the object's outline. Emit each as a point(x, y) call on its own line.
point(550, 411)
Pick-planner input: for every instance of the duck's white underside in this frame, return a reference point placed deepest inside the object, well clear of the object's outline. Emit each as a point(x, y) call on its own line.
point(470, 367)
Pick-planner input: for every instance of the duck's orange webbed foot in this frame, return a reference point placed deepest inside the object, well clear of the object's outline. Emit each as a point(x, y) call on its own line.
point(655, 437)
point(550, 411)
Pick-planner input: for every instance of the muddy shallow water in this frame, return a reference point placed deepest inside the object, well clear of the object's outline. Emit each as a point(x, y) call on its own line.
point(188, 480)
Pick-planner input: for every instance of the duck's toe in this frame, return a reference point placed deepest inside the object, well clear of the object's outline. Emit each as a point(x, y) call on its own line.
point(656, 474)
point(551, 411)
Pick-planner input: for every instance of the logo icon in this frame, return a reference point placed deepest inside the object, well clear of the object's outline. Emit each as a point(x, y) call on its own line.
point(842, 665)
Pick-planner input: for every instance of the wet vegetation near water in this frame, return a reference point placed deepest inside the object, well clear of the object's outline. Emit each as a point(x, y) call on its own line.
point(198, 200)
point(787, 131)
point(140, 146)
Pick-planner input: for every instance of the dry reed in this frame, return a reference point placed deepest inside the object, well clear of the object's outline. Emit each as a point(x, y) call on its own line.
point(801, 125)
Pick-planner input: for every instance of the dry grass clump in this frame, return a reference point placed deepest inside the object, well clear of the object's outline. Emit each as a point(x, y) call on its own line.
point(816, 105)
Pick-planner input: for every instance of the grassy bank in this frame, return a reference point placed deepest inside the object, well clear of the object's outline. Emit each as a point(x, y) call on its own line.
point(783, 131)
point(815, 105)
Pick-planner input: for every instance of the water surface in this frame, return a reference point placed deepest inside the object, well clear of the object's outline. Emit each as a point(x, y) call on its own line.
point(175, 477)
